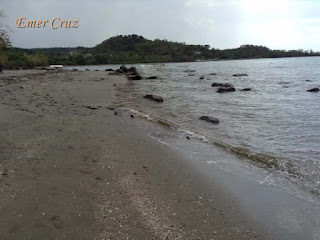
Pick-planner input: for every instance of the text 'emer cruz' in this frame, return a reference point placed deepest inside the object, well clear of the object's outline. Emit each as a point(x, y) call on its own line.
point(55, 23)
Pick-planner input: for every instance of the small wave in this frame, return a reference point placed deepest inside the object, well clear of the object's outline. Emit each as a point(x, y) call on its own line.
point(263, 160)
point(160, 121)
point(197, 136)
point(158, 139)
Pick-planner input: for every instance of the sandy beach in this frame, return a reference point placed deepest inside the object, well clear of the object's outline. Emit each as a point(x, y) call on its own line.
point(72, 167)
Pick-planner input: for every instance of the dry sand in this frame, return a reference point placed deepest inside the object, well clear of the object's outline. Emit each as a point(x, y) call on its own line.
point(72, 169)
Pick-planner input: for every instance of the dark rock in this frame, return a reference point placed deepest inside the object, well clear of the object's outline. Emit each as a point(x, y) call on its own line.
point(217, 84)
point(124, 68)
point(201, 78)
point(188, 137)
point(154, 98)
point(131, 116)
point(226, 89)
point(240, 75)
point(308, 81)
point(75, 70)
point(212, 74)
point(191, 75)
point(210, 119)
point(314, 90)
point(132, 71)
point(245, 89)
point(190, 71)
point(87, 69)
point(109, 70)
point(152, 77)
point(221, 85)
point(136, 77)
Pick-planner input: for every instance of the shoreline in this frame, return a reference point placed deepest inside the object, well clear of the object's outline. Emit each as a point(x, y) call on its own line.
point(152, 63)
point(71, 172)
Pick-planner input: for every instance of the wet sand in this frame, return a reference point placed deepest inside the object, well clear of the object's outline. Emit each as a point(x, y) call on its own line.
point(71, 167)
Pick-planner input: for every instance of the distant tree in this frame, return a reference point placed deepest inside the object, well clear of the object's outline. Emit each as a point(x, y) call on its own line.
point(4, 36)
point(38, 59)
point(127, 49)
point(80, 60)
point(4, 29)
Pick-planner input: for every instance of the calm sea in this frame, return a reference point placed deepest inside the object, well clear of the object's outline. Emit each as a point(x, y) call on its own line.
point(276, 125)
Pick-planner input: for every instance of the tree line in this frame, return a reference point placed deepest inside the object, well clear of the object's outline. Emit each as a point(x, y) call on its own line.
point(134, 49)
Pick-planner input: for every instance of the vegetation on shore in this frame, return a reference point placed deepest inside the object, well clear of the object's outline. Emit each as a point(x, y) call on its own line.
point(4, 37)
point(135, 49)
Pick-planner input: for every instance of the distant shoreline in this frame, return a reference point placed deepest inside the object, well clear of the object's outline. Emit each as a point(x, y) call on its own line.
point(134, 49)
point(137, 63)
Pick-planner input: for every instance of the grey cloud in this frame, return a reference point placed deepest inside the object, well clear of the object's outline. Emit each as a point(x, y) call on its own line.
point(221, 24)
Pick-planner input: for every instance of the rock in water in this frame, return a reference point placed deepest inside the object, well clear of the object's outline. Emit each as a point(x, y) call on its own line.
point(221, 85)
point(217, 84)
point(124, 68)
point(201, 78)
point(314, 90)
point(152, 77)
point(109, 70)
point(210, 119)
point(136, 77)
point(226, 89)
point(245, 89)
point(132, 71)
point(240, 75)
point(154, 98)
point(133, 74)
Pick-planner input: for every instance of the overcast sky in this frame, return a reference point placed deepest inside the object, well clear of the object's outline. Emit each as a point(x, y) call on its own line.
point(278, 24)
